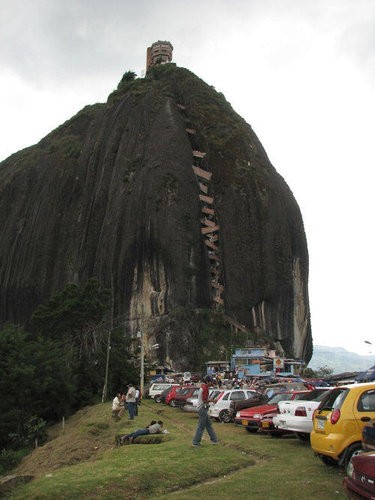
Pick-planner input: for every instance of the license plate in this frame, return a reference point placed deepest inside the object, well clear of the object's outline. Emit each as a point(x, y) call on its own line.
point(245, 422)
point(265, 425)
point(320, 425)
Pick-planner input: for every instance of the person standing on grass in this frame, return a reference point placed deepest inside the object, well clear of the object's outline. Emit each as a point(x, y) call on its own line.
point(130, 401)
point(204, 421)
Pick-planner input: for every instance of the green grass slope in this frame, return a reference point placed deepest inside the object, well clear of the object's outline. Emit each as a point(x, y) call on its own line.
point(83, 462)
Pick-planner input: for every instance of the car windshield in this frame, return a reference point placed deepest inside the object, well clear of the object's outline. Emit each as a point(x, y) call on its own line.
point(182, 392)
point(314, 395)
point(159, 387)
point(252, 394)
point(333, 399)
point(214, 393)
point(279, 397)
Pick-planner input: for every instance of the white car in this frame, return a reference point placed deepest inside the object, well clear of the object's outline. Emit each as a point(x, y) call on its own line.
point(222, 405)
point(157, 388)
point(191, 404)
point(296, 416)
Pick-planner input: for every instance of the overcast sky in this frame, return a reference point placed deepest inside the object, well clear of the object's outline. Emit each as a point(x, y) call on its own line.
point(300, 72)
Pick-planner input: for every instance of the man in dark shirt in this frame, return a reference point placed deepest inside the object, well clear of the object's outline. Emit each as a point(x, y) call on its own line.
point(204, 421)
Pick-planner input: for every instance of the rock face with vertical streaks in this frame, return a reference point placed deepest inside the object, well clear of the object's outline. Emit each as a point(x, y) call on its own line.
point(118, 193)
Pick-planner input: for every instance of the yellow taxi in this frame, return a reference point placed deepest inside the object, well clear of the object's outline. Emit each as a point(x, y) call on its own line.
point(338, 422)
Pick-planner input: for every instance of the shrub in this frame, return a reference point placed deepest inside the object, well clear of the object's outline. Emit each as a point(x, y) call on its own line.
point(10, 459)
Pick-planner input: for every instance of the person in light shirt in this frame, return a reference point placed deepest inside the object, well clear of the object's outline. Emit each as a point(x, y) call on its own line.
point(130, 401)
point(117, 408)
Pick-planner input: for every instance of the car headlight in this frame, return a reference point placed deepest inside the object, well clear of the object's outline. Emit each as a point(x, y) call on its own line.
point(257, 415)
point(350, 469)
point(238, 415)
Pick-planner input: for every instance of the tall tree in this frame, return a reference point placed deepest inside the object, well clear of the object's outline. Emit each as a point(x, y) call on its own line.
point(34, 380)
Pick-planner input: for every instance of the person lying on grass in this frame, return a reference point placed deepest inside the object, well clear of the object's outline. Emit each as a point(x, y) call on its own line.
point(153, 428)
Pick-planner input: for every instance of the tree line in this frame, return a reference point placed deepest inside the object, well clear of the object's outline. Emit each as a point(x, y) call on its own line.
point(55, 364)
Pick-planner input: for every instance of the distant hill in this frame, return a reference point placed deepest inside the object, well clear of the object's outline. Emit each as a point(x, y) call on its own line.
point(339, 359)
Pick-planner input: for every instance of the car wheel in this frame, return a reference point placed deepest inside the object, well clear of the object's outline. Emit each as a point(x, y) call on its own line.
point(225, 416)
point(327, 460)
point(303, 436)
point(157, 398)
point(353, 450)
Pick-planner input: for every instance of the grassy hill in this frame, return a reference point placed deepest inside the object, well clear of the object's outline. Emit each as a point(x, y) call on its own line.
point(339, 359)
point(81, 461)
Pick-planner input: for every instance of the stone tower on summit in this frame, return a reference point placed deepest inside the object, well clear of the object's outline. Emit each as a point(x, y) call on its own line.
point(160, 52)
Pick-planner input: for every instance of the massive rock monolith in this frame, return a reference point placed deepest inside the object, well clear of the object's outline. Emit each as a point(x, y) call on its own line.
point(112, 193)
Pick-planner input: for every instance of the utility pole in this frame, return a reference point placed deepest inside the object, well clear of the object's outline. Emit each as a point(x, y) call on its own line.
point(142, 374)
point(105, 387)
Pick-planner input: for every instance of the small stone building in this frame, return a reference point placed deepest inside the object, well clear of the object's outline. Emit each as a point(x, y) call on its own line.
point(160, 52)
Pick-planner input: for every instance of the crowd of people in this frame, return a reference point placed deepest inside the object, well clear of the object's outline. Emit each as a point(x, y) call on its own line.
point(130, 401)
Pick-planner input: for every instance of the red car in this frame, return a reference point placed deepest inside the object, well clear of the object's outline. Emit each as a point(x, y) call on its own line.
point(267, 426)
point(368, 436)
point(178, 395)
point(360, 481)
point(250, 417)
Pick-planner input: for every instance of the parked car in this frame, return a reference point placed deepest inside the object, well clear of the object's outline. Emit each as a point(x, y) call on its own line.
point(360, 480)
point(296, 416)
point(339, 420)
point(177, 390)
point(191, 404)
point(181, 395)
point(272, 389)
point(157, 388)
point(160, 398)
point(266, 426)
point(256, 399)
point(220, 409)
point(368, 436)
point(250, 417)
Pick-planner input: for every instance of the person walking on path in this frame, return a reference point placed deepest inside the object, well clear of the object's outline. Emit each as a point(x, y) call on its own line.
point(130, 401)
point(204, 420)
